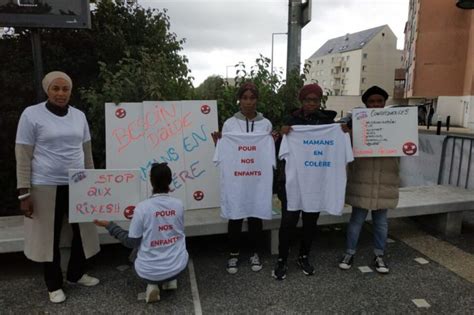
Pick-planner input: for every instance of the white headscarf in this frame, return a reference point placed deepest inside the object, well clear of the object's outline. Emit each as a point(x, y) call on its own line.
point(53, 75)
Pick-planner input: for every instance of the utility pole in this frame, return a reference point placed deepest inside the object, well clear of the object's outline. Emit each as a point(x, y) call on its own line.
point(299, 14)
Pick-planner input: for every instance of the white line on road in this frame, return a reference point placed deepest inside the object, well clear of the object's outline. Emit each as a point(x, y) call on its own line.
point(194, 288)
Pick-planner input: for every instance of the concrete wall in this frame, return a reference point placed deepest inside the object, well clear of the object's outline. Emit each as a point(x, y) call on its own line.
point(453, 106)
point(441, 49)
point(382, 60)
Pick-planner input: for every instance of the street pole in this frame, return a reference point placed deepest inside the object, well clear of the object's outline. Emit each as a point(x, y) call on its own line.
point(294, 37)
point(38, 63)
point(227, 71)
point(273, 35)
point(299, 14)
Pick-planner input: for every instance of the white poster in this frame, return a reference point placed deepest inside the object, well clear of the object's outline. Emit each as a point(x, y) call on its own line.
point(103, 194)
point(385, 132)
point(175, 132)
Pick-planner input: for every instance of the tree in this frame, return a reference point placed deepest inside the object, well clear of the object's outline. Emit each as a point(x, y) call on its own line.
point(277, 96)
point(128, 55)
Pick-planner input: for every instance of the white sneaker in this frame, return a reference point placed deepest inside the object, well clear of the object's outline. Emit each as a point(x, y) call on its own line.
point(255, 263)
point(170, 285)
point(87, 281)
point(152, 293)
point(57, 296)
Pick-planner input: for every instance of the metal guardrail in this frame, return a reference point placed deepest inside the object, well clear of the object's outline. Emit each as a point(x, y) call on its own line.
point(453, 167)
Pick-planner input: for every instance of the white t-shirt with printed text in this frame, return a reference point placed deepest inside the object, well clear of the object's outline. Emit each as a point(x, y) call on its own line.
point(159, 221)
point(58, 142)
point(316, 159)
point(246, 162)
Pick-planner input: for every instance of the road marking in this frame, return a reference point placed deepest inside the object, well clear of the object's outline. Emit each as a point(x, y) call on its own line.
point(421, 261)
point(194, 288)
point(421, 303)
point(365, 269)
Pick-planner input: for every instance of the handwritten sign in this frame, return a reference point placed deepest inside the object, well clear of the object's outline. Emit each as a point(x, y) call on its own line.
point(175, 132)
point(385, 132)
point(103, 194)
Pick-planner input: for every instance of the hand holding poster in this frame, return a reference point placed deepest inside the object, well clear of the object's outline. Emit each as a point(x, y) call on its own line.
point(385, 132)
point(103, 194)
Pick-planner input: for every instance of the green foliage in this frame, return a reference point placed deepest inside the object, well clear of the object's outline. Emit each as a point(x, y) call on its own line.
point(278, 97)
point(128, 55)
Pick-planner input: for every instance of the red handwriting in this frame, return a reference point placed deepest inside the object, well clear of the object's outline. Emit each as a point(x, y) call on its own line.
point(87, 208)
point(112, 178)
point(172, 129)
point(157, 125)
point(99, 192)
point(363, 152)
point(169, 241)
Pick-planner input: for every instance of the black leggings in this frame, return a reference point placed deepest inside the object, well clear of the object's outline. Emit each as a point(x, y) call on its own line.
point(289, 220)
point(234, 229)
point(52, 270)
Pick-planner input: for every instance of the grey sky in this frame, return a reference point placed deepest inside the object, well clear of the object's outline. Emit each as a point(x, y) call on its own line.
point(221, 33)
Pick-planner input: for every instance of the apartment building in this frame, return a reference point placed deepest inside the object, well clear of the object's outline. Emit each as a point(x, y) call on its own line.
point(349, 64)
point(439, 59)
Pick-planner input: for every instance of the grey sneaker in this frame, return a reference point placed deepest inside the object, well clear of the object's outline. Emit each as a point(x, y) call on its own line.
point(233, 264)
point(255, 263)
point(380, 265)
point(346, 262)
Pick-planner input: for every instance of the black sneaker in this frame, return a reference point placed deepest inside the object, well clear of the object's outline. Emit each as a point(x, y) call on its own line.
point(281, 267)
point(307, 268)
point(233, 264)
point(346, 262)
point(380, 265)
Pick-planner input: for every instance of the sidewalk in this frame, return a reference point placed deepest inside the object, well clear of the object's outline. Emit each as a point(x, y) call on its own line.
point(207, 288)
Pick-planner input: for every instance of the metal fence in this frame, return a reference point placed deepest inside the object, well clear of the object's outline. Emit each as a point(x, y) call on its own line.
point(456, 159)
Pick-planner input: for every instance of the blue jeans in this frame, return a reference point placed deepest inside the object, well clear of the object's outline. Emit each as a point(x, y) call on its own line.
point(380, 229)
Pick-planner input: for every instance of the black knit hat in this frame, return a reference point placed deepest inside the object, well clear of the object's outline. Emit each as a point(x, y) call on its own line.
point(374, 90)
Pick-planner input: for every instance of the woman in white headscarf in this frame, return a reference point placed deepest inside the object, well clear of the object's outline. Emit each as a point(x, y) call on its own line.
point(53, 137)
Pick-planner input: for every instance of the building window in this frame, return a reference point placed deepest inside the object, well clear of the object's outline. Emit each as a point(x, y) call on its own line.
point(362, 80)
point(332, 59)
point(317, 62)
point(347, 69)
point(343, 69)
point(364, 55)
point(364, 68)
point(322, 61)
point(347, 57)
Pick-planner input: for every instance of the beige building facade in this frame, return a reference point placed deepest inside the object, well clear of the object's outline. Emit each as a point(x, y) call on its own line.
point(439, 59)
point(350, 64)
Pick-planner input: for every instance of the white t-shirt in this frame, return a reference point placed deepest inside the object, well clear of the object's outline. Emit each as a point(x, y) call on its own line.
point(316, 159)
point(57, 142)
point(238, 125)
point(160, 222)
point(246, 162)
